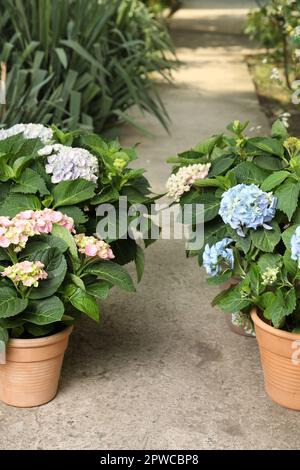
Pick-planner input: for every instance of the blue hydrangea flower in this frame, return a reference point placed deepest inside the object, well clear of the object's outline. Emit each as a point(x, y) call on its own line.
point(216, 255)
point(247, 206)
point(295, 246)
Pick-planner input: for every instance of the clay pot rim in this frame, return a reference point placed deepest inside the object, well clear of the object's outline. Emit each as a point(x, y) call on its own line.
point(40, 342)
point(270, 329)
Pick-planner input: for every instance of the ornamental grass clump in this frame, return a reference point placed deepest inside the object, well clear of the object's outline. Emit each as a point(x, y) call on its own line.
point(78, 63)
point(251, 205)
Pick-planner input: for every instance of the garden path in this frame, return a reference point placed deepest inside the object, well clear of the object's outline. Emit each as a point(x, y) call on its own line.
point(163, 370)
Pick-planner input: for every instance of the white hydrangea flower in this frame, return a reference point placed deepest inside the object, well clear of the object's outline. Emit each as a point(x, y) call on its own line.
point(70, 163)
point(297, 53)
point(296, 32)
point(29, 131)
point(284, 117)
point(275, 74)
point(182, 181)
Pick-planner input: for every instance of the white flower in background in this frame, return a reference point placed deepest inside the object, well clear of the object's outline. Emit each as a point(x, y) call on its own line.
point(275, 75)
point(255, 128)
point(29, 131)
point(297, 53)
point(296, 32)
point(284, 118)
point(264, 60)
point(182, 181)
point(296, 94)
point(70, 163)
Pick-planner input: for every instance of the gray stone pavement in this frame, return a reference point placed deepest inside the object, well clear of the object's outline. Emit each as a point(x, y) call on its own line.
point(163, 370)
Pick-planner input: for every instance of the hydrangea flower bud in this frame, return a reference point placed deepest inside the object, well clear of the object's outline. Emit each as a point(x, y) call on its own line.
point(91, 246)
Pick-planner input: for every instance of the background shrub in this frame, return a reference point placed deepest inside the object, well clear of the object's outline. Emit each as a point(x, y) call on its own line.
point(78, 63)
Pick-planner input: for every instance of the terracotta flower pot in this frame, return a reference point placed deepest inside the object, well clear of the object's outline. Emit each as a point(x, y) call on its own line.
point(280, 358)
point(31, 374)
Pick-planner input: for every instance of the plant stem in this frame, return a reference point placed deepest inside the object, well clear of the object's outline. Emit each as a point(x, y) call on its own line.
point(286, 60)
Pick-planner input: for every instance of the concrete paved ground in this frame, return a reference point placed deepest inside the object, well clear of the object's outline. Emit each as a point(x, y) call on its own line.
point(163, 371)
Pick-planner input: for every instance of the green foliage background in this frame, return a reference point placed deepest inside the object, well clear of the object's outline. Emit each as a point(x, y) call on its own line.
point(81, 64)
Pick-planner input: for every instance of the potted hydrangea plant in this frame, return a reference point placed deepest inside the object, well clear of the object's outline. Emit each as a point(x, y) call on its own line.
point(49, 275)
point(252, 228)
point(53, 265)
point(73, 172)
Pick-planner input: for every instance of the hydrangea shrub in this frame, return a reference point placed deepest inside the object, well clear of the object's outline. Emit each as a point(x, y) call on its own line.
point(252, 219)
point(49, 275)
point(72, 173)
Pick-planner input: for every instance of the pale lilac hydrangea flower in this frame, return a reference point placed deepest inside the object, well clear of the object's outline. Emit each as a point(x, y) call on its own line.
point(29, 131)
point(70, 163)
point(182, 181)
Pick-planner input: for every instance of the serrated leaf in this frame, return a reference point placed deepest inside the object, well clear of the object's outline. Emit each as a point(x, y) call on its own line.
point(288, 195)
point(221, 165)
point(10, 303)
point(99, 289)
point(45, 311)
point(63, 233)
point(69, 193)
point(243, 243)
point(248, 173)
point(16, 203)
point(274, 180)
point(266, 240)
point(113, 273)
point(290, 264)
point(55, 266)
point(268, 260)
point(279, 130)
point(206, 146)
point(287, 235)
point(30, 182)
point(268, 145)
point(75, 213)
point(211, 206)
point(282, 306)
point(107, 195)
point(219, 279)
point(230, 300)
point(83, 301)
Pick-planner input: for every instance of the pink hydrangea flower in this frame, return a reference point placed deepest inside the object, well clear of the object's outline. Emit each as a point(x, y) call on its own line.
point(26, 272)
point(91, 246)
point(17, 230)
